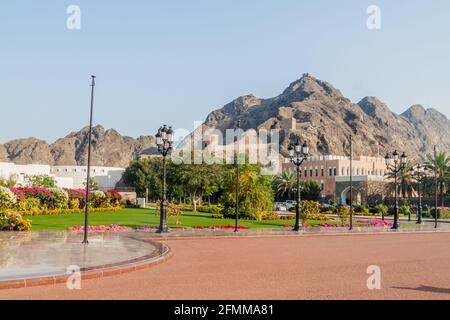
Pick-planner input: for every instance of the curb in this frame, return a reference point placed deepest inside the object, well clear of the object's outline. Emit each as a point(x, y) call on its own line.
point(311, 235)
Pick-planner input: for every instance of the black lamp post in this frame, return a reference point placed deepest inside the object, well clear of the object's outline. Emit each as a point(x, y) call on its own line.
point(236, 213)
point(436, 211)
point(396, 164)
point(351, 182)
point(420, 174)
point(88, 178)
point(298, 154)
point(164, 141)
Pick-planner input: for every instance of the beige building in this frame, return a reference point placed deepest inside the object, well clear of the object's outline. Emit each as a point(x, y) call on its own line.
point(333, 173)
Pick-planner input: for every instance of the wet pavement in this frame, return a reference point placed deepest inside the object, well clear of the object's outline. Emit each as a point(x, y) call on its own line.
point(45, 253)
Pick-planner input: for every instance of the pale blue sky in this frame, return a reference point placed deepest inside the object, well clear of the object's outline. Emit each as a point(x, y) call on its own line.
point(175, 61)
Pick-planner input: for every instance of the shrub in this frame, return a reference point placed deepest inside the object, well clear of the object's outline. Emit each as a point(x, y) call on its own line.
point(379, 209)
point(12, 221)
point(343, 212)
point(328, 210)
point(28, 204)
point(19, 194)
point(74, 204)
point(37, 192)
point(309, 208)
point(98, 199)
point(7, 198)
point(49, 212)
point(255, 197)
point(405, 210)
point(114, 197)
point(443, 213)
point(172, 211)
point(426, 212)
point(209, 209)
point(78, 194)
point(60, 198)
point(361, 209)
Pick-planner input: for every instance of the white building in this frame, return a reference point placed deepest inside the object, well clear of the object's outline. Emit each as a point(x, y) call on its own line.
point(105, 177)
point(65, 176)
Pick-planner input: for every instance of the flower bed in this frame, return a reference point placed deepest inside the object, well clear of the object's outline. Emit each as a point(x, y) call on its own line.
point(358, 223)
point(36, 200)
point(47, 212)
point(102, 228)
point(11, 221)
point(227, 227)
point(375, 223)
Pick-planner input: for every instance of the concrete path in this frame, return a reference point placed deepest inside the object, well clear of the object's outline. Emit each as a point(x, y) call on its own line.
point(413, 266)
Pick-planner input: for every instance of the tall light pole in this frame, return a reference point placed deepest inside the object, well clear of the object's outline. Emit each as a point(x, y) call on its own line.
point(420, 174)
point(435, 189)
point(88, 178)
point(164, 141)
point(351, 182)
point(396, 164)
point(236, 212)
point(298, 154)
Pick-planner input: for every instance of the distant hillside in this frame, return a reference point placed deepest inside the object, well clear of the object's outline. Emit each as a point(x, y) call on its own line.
point(316, 103)
point(109, 148)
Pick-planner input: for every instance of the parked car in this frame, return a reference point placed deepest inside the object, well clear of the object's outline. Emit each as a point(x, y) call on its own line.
point(290, 204)
point(279, 206)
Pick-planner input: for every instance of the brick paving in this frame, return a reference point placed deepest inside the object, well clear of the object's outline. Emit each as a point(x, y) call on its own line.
point(413, 266)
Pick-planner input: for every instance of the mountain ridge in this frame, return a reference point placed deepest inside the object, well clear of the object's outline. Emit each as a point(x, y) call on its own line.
point(109, 148)
point(314, 102)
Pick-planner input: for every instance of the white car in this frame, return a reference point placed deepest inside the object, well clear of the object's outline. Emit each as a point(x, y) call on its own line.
point(279, 206)
point(290, 204)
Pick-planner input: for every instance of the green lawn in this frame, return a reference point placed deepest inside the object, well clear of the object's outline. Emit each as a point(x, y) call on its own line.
point(134, 218)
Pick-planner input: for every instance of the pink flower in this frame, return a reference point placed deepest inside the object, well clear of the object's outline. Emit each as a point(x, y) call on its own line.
point(101, 228)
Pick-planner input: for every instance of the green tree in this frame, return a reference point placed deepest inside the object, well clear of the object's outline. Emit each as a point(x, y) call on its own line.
point(285, 184)
point(255, 193)
point(143, 174)
point(440, 163)
point(310, 190)
point(197, 180)
point(43, 181)
point(405, 181)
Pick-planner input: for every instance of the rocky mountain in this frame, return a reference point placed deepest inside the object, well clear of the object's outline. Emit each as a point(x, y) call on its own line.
point(109, 148)
point(325, 118)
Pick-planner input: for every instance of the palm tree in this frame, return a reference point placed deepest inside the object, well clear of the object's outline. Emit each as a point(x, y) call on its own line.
point(440, 163)
point(285, 183)
point(406, 185)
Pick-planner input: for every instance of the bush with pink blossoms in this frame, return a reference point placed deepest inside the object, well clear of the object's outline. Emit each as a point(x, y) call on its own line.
point(42, 194)
point(19, 194)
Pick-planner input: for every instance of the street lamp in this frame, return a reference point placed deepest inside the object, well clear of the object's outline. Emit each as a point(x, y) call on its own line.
point(88, 178)
point(419, 174)
point(236, 212)
point(396, 164)
point(298, 154)
point(164, 141)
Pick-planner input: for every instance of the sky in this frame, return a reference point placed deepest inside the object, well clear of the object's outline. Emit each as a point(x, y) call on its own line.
point(172, 62)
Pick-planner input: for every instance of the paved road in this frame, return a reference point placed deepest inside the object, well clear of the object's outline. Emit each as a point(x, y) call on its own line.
point(413, 266)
